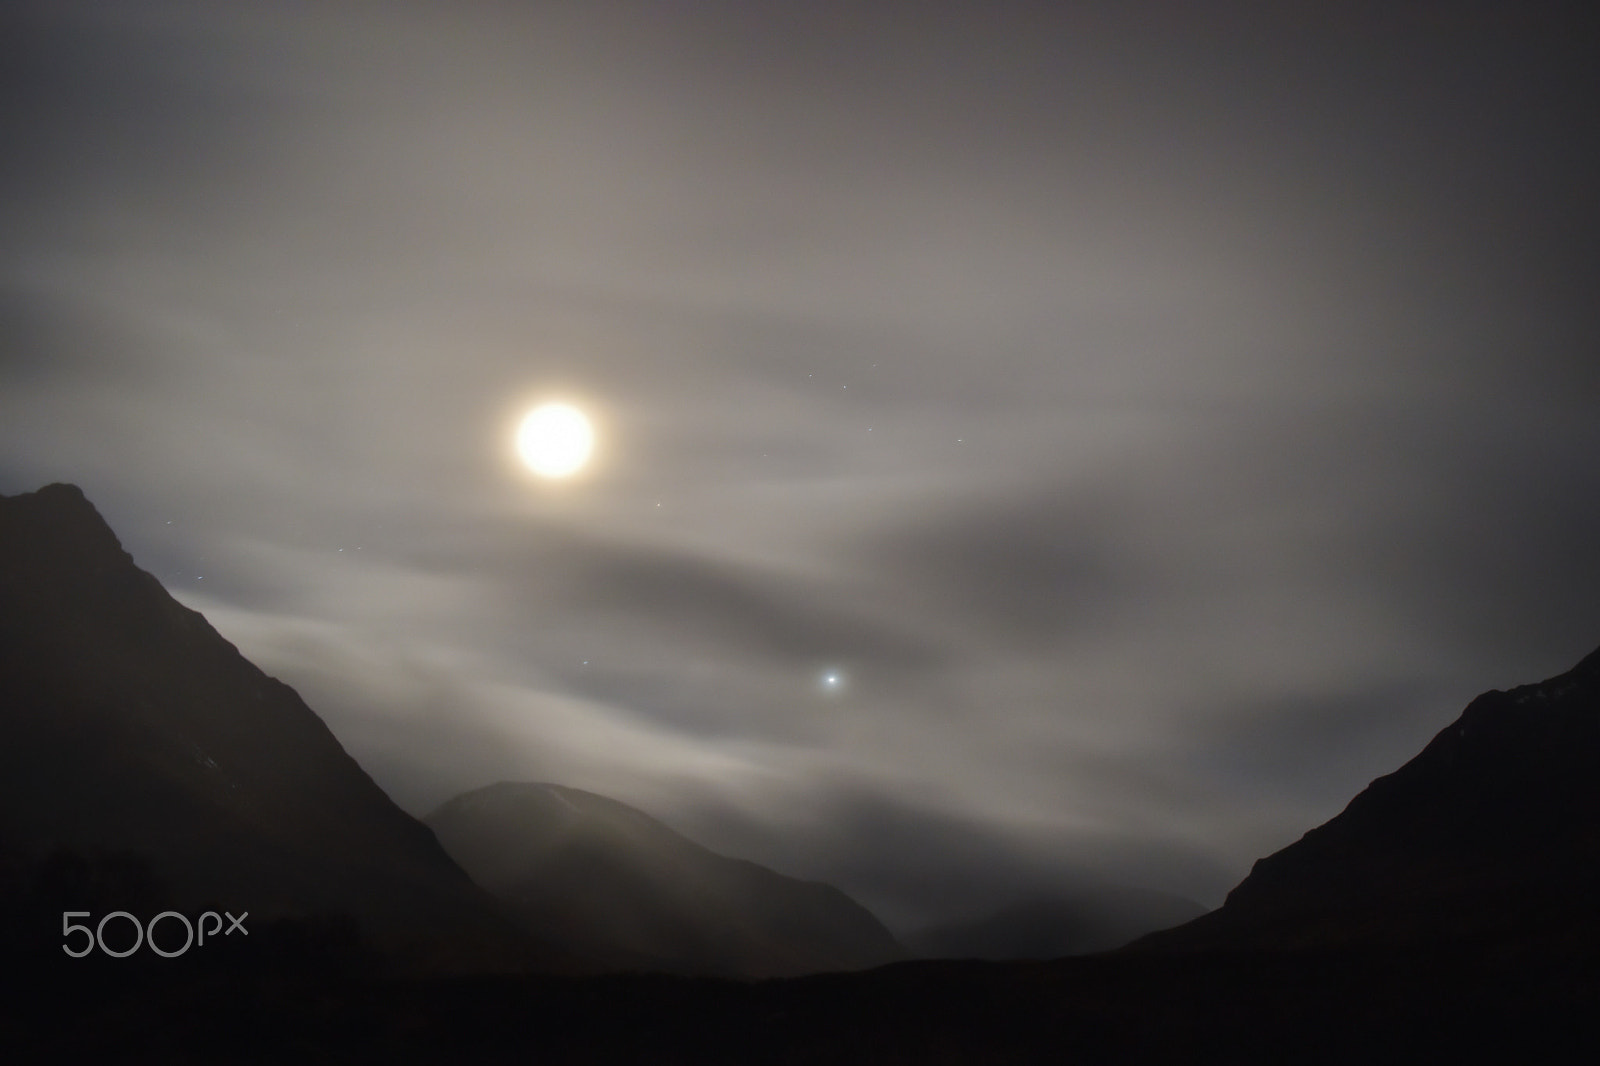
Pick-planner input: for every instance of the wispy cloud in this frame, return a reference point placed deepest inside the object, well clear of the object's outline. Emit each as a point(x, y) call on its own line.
point(1163, 421)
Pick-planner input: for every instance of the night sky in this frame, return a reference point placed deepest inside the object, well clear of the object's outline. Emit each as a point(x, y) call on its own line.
point(1161, 418)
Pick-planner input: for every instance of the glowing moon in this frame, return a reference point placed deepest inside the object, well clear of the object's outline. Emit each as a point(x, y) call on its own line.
point(555, 440)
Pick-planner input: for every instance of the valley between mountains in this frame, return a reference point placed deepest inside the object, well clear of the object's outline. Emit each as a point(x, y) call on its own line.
point(146, 767)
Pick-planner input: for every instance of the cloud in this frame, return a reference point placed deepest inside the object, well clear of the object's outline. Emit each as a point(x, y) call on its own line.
point(1500, 559)
point(1311, 750)
point(1036, 566)
point(430, 720)
point(1165, 421)
point(914, 857)
point(788, 619)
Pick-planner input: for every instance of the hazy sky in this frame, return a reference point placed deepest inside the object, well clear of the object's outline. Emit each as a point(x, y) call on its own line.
point(1165, 417)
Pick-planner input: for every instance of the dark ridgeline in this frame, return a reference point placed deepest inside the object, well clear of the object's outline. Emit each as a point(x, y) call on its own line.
point(1491, 834)
point(144, 761)
point(609, 879)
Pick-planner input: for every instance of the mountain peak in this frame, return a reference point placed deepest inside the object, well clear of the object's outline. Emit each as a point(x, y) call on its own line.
point(58, 525)
point(55, 494)
point(610, 876)
point(129, 725)
point(59, 501)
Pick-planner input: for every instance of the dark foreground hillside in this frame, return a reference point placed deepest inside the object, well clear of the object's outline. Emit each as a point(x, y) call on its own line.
point(1469, 1003)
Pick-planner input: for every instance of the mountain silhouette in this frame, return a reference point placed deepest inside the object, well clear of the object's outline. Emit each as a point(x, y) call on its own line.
point(618, 881)
point(1492, 832)
point(1078, 922)
point(144, 761)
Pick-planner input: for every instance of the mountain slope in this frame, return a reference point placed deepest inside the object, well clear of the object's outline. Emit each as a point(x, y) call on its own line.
point(129, 726)
point(616, 879)
point(1492, 831)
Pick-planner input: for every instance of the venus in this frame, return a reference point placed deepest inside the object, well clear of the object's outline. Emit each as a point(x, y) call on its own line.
point(555, 440)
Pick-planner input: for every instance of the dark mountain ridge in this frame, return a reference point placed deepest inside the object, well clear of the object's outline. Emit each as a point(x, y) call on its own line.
point(129, 727)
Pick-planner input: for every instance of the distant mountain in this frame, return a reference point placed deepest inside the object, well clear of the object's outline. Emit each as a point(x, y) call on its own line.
point(143, 758)
point(1054, 926)
point(1491, 833)
point(618, 881)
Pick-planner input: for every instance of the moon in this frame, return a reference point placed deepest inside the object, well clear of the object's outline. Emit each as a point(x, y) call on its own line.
point(555, 440)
